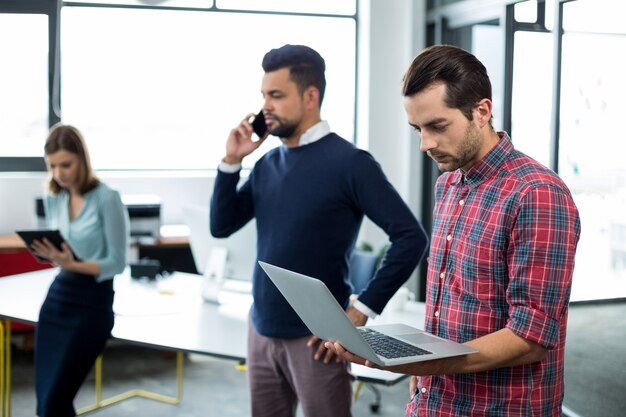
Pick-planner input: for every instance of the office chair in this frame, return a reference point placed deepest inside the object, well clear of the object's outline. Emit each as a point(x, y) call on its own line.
point(362, 268)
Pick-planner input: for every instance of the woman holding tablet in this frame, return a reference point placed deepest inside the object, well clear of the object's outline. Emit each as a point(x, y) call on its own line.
point(76, 317)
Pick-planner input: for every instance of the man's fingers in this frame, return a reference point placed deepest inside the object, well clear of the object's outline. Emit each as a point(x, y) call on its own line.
point(312, 341)
point(340, 349)
point(329, 354)
point(321, 350)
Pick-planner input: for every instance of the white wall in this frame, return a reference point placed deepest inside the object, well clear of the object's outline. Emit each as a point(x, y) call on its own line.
point(394, 32)
point(17, 199)
point(18, 192)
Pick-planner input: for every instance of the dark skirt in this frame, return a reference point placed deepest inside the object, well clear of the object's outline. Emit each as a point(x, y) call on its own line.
point(75, 321)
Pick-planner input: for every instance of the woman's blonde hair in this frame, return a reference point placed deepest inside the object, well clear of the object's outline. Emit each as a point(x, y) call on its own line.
point(68, 138)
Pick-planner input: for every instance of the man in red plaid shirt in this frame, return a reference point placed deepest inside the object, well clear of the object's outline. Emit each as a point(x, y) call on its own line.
point(505, 230)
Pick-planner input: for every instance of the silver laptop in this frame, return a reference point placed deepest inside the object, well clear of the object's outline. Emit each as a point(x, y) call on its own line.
point(385, 345)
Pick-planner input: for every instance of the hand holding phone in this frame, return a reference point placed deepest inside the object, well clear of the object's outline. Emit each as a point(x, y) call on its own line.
point(241, 142)
point(258, 125)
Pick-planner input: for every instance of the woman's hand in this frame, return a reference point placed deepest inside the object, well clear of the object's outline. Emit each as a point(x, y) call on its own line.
point(46, 249)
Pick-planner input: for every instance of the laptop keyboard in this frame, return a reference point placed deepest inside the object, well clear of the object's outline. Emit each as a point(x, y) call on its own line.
point(390, 347)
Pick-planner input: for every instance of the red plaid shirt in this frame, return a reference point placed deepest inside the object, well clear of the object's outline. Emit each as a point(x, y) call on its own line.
point(501, 256)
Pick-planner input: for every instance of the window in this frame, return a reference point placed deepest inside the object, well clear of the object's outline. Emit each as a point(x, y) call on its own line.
point(585, 136)
point(198, 4)
point(341, 7)
point(532, 94)
point(24, 84)
point(592, 144)
point(166, 96)
point(159, 85)
point(487, 40)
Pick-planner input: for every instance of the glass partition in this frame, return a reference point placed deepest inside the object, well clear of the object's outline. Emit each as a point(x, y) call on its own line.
point(592, 144)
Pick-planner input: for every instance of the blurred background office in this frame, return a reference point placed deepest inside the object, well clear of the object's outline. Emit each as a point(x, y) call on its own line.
point(156, 84)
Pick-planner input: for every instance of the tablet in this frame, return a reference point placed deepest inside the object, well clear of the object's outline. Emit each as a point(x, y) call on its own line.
point(54, 236)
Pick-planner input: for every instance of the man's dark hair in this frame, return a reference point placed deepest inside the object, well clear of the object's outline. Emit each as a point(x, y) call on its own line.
point(306, 66)
point(463, 74)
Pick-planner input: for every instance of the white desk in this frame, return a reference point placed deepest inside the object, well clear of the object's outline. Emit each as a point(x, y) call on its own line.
point(167, 314)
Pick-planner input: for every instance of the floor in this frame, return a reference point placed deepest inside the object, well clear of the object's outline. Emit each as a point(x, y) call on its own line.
point(212, 387)
point(595, 376)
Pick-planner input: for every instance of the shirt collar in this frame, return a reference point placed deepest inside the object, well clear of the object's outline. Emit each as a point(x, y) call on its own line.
point(487, 166)
point(315, 133)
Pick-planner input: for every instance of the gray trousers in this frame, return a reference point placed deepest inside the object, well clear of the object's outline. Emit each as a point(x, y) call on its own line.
point(282, 372)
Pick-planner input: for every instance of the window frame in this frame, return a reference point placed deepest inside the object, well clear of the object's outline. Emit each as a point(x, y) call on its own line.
point(51, 9)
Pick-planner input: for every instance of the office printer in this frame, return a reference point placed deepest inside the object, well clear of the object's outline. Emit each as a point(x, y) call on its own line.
point(144, 211)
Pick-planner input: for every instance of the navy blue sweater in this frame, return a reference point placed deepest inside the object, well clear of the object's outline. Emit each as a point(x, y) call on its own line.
point(309, 203)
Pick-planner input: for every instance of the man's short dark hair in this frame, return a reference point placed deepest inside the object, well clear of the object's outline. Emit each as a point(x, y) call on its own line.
point(464, 76)
point(306, 66)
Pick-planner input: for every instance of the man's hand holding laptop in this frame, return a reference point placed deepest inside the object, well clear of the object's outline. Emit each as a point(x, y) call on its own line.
point(502, 348)
point(356, 316)
point(432, 367)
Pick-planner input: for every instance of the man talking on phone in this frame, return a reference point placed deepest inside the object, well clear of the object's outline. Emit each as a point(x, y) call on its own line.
point(309, 197)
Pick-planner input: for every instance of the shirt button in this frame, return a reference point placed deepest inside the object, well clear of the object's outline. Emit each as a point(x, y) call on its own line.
point(442, 275)
point(461, 202)
point(436, 314)
point(423, 390)
point(449, 238)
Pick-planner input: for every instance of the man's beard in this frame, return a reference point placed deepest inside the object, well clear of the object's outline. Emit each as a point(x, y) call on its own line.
point(470, 147)
point(466, 151)
point(283, 128)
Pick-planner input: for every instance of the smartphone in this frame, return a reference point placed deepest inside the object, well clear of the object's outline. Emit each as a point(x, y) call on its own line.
point(258, 125)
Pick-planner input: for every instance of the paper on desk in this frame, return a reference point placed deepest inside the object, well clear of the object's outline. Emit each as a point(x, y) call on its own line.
point(150, 300)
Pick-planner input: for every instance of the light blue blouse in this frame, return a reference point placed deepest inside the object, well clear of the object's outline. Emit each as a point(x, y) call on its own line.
point(100, 232)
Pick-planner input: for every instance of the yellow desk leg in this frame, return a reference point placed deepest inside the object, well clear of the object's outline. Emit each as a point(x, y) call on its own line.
point(100, 403)
point(241, 366)
point(5, 368)
point(357, 391)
